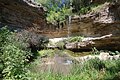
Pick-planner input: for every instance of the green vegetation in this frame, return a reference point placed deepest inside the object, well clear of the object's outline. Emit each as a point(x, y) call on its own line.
point(13, 56)
point(54, 16)
point(20, 54)
point(81, 6)
point(114, 53)
point(60, 44)
point(56, 10)
point(75, 39)
point(77, 54)
point(97, 52)
point(47, 53)
point(93, 69)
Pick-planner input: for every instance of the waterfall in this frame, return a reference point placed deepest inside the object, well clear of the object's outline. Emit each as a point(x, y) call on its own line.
point(69, 25)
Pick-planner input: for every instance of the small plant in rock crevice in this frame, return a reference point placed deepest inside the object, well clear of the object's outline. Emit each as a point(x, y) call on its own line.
point(75, 39)
point(95, 51)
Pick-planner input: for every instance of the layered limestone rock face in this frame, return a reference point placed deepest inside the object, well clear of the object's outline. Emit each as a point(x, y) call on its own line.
point(100, 27)
point(101, 21)
point(28, 15)
point(26, 18)
point(23, 14)
point(98, 23)
point(107, 42)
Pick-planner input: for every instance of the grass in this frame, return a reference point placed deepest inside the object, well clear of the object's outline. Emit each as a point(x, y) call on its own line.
point(76, 54)
point(98, 7)
point(48, 52)
point(95, 7)
point(93, 69)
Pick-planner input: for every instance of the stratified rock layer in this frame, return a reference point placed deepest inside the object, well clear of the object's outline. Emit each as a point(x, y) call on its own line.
point(23, 14)
point(106, 43)
point(103, 20)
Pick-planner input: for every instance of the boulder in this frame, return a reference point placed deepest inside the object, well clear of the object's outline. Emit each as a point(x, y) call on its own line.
point(116, 57)
point(104, 56)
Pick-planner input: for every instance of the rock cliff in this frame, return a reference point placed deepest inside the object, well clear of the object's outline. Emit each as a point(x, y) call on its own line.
point(100, 22)
point(103, 20)
point(27, 15)
point(23, 14)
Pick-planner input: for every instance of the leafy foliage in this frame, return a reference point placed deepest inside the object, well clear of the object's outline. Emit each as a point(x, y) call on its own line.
point(54, 16)
point(60, 44)
point(81, 6)
point(32, 39)
point(13, 56)
point(75, 39)
point(57, 10)
point(94, 63)
point(48, 52)
point(95, 51)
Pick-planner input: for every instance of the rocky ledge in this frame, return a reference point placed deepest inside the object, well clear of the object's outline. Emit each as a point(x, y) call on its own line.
point(102, 25)
point(107, 42)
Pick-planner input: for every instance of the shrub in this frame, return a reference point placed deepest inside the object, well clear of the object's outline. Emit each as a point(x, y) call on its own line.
point(13, 56)
point(33, 40)
point(94, 63)
point(75, 39)
point(48, 52)
point(117, 76)
point(56, 10)
point(95, 51)
point(60, 44)
point(14, 60)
